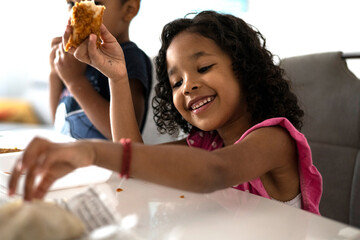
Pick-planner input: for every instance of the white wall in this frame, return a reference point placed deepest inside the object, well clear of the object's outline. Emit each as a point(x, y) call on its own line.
point(26, 32)
point(27, 28)
point(154, 14)
point(297, 27)
point(292, 27)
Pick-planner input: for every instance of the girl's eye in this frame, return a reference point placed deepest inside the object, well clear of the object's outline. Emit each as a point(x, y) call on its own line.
point(177, 84)
point(204, 69)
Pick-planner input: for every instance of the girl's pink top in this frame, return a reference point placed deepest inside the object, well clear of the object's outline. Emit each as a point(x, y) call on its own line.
point(310, 178)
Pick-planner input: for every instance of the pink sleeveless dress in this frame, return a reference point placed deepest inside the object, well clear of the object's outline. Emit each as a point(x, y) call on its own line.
point(310, 178)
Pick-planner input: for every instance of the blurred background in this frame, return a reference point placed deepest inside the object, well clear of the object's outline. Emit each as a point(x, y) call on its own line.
point(291, 27)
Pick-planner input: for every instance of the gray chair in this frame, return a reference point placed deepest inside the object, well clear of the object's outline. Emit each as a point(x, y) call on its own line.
point(329, 93)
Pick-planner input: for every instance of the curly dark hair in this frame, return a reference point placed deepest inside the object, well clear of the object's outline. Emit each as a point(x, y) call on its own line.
point(266, 90)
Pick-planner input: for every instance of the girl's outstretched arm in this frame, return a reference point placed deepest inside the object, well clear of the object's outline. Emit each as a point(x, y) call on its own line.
point(267, 152)
point(109, 59)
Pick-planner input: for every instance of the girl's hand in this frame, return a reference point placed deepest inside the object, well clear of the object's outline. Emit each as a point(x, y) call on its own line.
point(108, 58)
point(54, 47)
point(50, 161)
point(68, 68)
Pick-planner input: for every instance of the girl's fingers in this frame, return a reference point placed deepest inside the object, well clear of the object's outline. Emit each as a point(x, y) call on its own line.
point(57, 56)
point(71, 50)
point(56, 41)
point(14, 178)
point(106, 35)
point(61, 49)
point(49, 177)
point(35, 149)
point(81, 53)
point(49, 166)
point(27, 163)
point(43, 187)
point(29, 182)
point(92, 48)
point(53, 51)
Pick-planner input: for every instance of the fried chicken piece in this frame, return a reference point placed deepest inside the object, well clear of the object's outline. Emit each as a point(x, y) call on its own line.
point(86, 18)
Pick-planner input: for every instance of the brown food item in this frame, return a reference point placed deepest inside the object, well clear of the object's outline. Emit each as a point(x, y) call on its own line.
point(86, 18)
point(119, 190)
point(38, 220)
point(10, 150)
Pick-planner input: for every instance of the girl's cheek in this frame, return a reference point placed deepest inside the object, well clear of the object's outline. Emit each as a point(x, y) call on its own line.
point(178, 101)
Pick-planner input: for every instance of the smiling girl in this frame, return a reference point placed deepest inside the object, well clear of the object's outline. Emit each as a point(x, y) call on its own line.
point(218, 84)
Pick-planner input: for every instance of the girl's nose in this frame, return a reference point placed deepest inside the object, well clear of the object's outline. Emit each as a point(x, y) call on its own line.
point(190, 84)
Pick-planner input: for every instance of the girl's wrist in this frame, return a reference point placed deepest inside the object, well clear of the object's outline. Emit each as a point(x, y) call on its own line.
point(119, 76)
point(119, 79)
point(105, 154)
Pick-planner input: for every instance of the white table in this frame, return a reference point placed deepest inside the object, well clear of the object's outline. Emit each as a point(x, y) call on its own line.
point(166, 213)
point(160, 212)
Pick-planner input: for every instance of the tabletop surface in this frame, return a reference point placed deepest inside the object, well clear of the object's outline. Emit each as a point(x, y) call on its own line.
point(158, 212)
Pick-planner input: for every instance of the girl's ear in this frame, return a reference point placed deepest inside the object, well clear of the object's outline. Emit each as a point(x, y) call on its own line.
point(130, 10)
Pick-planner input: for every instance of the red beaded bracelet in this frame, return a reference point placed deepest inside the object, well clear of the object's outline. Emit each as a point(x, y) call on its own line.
point(126, 158)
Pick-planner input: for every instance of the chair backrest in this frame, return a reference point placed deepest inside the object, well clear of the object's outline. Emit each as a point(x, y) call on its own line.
point(329, 93)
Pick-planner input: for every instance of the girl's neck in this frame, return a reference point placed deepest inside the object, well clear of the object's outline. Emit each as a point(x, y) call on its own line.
point(124, 37)
point(233, 131)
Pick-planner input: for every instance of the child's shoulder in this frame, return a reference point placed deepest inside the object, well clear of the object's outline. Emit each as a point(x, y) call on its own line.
point(274, 137)
point(283, 124)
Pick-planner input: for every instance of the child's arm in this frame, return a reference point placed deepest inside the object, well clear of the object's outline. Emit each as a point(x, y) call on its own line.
point(66, 70)
point(55, 83)
point(94, 105)
point(109, 59)
point(267, 152)
point(55, 88)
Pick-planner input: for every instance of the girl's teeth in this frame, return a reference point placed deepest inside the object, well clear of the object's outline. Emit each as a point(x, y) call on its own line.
point(199, 104)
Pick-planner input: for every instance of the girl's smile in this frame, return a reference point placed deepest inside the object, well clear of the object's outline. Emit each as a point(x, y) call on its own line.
point(200, 104)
